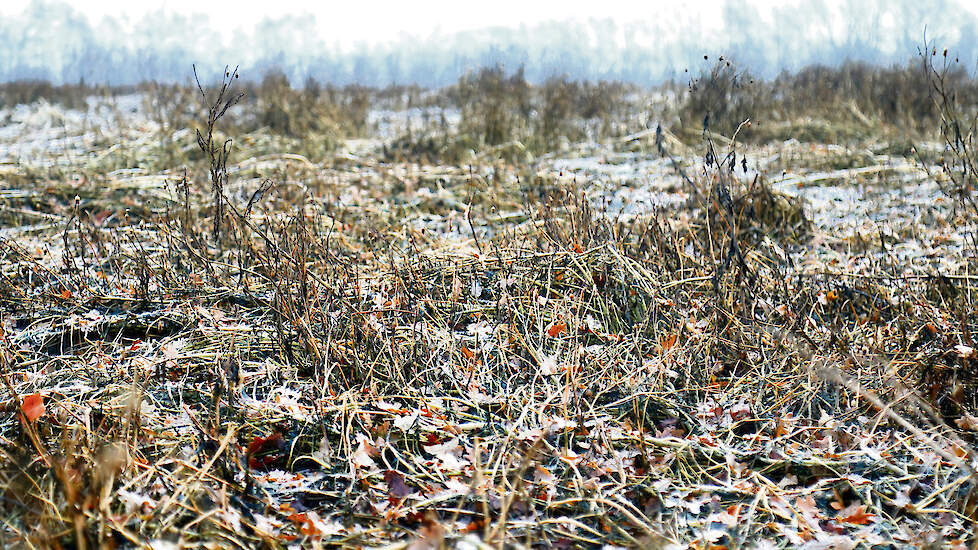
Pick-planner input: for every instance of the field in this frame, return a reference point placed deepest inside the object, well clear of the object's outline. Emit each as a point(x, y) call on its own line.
point(732, 314)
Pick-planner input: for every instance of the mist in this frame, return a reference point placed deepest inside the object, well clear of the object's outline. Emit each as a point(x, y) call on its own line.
point(53, 41)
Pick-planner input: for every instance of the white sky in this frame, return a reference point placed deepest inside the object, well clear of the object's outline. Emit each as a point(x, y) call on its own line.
point(348, 22)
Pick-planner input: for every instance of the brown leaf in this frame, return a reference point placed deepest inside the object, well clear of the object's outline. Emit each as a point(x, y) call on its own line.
point(395, 484)
point(781, 428)
point(967, 422)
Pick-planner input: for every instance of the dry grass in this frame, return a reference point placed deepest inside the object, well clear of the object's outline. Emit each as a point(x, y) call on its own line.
point(381, 351)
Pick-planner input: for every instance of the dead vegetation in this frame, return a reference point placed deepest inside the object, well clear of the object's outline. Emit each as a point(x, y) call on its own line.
point(372, 348)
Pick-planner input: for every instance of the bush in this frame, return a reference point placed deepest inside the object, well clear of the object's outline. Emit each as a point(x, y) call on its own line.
point(836, 104)
point(495, 107)
point(722, 99)
point(23, 92)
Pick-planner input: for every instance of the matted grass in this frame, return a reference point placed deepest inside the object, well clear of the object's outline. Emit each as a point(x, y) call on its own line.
point(585, 350)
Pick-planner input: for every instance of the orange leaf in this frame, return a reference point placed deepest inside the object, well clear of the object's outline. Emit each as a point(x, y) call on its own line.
point(66, 294)
point(959, 451)
point(668, 342)
point(781, 428)
point(837, 503)
point(857, 516)
point(298, 517)
point(32, 406)
point(469, 354)
point(557, 329)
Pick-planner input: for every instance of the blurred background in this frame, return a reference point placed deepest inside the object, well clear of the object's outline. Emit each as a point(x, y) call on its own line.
point(433, 43)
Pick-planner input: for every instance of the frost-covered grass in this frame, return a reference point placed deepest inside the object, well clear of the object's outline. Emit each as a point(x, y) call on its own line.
point(576, 348)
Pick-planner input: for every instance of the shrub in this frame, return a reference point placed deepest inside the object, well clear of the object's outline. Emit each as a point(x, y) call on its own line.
point(722, 99)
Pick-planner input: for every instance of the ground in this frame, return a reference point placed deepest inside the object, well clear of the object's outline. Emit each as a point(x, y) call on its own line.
point(705, 344)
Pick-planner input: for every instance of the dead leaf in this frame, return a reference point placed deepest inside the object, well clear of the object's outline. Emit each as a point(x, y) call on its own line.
point(263, 451)
point(855, 515)
point(967, 422)
point(668, 342)
point(365, 451)
point(32, 406)
point(395, 484)
point(557, 329)
point(964, 351)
